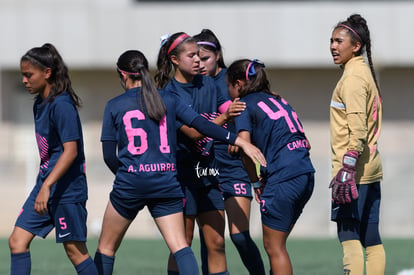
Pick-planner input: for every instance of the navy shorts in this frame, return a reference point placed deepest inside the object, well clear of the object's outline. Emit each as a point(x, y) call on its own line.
point(236, 189)
point(158, 207)
point(365, 209)
point(233, 179)
point(69, 220)
point(282, 203)
point(202, 199)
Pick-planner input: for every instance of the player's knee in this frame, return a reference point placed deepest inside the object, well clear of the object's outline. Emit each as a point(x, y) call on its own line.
point(241, 239)
point(372, 235)
point(17, 245)
point(215, 243)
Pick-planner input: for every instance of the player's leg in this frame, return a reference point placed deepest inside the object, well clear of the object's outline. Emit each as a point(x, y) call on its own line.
point(78, 254)
point(189, 224)
point(70, 227)
point(190, 211)
point(169, 218)
point(281, 206)
point(348, 235)
point(28, 225)
point(212, 224)
point(274, 242)
point(19, 243)
point(114, 227)
point(203, 253)
point(369, 231)
point(238, 216)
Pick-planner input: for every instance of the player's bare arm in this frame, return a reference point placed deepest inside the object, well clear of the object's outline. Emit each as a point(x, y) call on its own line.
point(70, 151)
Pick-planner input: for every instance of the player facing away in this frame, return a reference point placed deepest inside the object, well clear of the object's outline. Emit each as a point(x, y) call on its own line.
point(233, 180)
point(196, 167)
point(59, 196)
point(139, 147)
point(355, 122)
point(287, 182)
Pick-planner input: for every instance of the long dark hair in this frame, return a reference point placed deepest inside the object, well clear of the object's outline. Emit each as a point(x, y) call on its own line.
point(255, 80)
point(208, 40)
point(135, 65)
point(47, 56)
point(169, 47)
point(357, 27)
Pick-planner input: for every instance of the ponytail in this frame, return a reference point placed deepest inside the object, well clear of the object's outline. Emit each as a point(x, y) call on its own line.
point(135, 65)
point(252, 73)
point(47, 56)
point(170, 45)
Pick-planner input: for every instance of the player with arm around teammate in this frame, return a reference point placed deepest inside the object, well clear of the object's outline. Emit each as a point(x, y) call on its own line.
point(272, 125)
point(355, 120)
point(178, 72)
point(138, 142)
point(58, 199)
point(233, 180)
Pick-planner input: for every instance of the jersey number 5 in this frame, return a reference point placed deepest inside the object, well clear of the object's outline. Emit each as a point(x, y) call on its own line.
point(142, 134)
point(281, 113)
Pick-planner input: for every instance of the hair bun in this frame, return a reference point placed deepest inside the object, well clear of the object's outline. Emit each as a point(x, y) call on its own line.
point(356, 19)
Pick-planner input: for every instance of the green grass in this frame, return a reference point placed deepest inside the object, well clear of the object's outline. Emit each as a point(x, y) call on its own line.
point(137, 256)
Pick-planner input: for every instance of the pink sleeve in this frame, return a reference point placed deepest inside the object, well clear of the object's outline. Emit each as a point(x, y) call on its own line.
point(223, 107)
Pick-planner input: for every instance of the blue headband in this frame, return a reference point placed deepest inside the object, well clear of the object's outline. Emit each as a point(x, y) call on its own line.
point(251, 71)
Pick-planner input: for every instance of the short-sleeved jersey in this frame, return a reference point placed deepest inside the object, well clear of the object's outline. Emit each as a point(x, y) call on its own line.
point(231, 168)
point(146, 148)
point(356, 118)
point(203, 97)
point(276, 130)
point(57, 122)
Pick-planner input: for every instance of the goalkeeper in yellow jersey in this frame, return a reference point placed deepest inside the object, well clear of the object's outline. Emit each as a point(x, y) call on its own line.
point(355, 121)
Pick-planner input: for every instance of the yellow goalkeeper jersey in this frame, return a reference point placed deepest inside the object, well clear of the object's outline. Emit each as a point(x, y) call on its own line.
point(355, 121)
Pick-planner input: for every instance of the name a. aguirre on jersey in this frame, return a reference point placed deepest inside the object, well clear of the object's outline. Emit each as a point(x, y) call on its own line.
point(152, 167)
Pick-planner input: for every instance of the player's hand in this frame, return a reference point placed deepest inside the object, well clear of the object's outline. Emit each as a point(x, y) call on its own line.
point(343, 185)
point(251, 151)
point(41, 200)
point(259, 191)
point(233, 150)
point(235, 109)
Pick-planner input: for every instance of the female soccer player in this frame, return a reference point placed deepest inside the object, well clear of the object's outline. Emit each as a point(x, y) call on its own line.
point(233, 180)
point(58, 199)
point(196, 167)
point(356, 118)
point(272, 125)
point(139, 142)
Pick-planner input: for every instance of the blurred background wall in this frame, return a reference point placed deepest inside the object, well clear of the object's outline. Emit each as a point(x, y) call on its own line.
point(291, 37)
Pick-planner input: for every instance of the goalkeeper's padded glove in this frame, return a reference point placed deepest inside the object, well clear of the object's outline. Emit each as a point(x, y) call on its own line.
point(343, 185)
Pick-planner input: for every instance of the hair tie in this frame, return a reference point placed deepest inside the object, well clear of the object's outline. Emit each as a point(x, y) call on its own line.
point(250, 70)
point(177, 42)
point(125, 72)
point(352, 30)
point(211, 44)
point(164, 39)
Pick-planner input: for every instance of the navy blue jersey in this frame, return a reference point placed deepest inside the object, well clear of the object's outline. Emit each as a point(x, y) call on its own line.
point(231, 168)
point(57, 122)
point(146, 148)
point(202, 96)
point(276, 130)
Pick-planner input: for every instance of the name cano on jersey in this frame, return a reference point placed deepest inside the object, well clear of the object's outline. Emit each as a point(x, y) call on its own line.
point(301, 143)
point(153, 167)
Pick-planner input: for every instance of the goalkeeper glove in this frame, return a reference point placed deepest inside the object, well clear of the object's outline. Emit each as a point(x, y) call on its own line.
point(343, 185)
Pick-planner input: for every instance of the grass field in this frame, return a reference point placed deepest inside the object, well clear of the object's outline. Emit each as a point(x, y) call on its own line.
point(148, 257)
